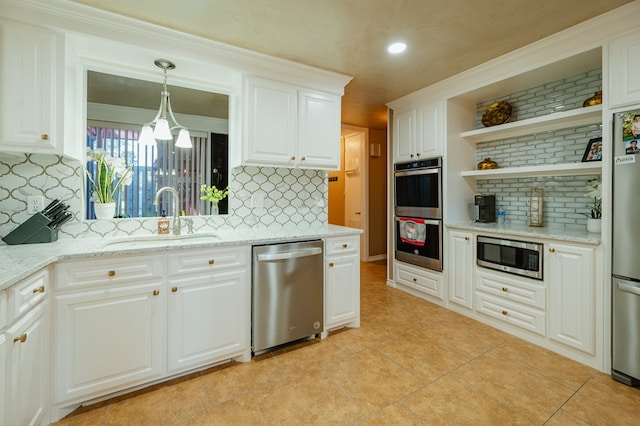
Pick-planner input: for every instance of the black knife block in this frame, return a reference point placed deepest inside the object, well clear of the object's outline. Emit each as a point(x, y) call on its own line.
point(33, 230)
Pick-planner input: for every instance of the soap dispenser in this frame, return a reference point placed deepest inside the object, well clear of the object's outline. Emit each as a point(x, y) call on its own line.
point(163, 224)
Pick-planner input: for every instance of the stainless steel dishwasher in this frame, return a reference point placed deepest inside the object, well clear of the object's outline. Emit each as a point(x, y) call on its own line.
point(287, 293)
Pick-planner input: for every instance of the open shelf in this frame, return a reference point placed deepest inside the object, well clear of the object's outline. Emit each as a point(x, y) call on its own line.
point(571, 169)
point(558, 120)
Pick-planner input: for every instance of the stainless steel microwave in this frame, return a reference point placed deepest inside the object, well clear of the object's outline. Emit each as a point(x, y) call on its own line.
point(514, 257)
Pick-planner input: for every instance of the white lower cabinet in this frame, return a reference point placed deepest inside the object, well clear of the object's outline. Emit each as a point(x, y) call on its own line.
point(460, 268)
point(571, 295)
point(4, 418)
point(419, 282)
point(342, 282)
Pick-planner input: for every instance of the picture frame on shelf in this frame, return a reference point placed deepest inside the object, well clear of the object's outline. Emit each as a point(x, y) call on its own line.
point(593, 151)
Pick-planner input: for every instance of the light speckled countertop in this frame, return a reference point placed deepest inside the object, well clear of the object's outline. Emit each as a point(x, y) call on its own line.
point(20, 261)
point(560, 234)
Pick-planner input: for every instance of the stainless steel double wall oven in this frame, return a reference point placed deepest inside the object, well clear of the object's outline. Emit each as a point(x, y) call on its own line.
point(418, 213)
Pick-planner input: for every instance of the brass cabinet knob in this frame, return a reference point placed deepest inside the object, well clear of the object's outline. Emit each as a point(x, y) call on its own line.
point(552, 250)
point(418, 155)
point(293, 157)
point(345, 245)
point(411, 155)
point(505, 289)
point(20, 339)
point(415, 280)
point(39, 289)
point(504, 312)
point(44, 137)
point(467, 238)
point(111, 273)
point(331, 264)
point(211, 261)
point(174, 289)
point(156, 292)
point(302, 158)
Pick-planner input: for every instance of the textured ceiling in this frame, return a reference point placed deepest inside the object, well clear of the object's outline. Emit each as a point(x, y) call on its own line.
point(350, 36)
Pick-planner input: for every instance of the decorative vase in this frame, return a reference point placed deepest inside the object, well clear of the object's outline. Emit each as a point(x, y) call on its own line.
point(104, 210)
point(596, 99)
point(487, 164)
point(214, 209)
point(594, 225)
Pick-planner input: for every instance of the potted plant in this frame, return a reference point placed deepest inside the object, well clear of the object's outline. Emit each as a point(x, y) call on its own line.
point(213, 195)
point(594, 218)
point(111, 173)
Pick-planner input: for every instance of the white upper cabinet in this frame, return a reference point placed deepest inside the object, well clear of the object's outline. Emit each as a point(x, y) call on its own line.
point(418, 133)
point(290, 127)
point(31, 76)
point(624, 62)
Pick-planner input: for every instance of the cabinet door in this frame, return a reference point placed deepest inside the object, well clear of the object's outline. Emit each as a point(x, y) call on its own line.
point(460, 269)
point(318, 130)
point(4, 385)
point(429, 131)
point(31, 88)
point(29, 368)
point(624, 62)
point(209, 318)
point(404, 136)
point(270, 122)
point(108, 339)
point(571, 296)
point(342, 291)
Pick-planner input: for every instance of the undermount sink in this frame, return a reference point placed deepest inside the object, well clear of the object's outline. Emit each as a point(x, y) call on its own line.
point(150, 240)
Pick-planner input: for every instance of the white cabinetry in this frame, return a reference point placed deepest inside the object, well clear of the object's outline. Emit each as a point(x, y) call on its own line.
point(571, 281)
point(109, 331)
point(418, 133)
point(208, 309)
point(25, 349)
point(419, 282)
point(460, 268)
point(30, 88)
point(342, 282)
point(624, 62)
point(290, 127)
point(4, 418)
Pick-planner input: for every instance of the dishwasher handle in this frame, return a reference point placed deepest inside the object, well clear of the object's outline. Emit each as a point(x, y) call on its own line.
point(289, 254)
point(629, 288)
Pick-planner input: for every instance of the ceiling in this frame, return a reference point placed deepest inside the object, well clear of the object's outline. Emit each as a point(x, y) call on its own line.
point(444, 37)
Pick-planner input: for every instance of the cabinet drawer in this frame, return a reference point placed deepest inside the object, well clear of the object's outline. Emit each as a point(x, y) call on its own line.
point(513, 289)
point(419, 280)
point(214, 259)
point(27, 293)
point(111, 271)
point(342, 245)
point(519, 315)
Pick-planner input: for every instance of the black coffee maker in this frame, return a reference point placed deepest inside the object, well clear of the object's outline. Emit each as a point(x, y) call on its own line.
point(485, 205)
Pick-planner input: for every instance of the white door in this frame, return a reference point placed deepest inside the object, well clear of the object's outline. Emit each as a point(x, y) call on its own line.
point(355, 183)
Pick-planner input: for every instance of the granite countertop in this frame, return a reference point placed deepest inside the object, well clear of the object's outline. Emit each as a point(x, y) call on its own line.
point(20, 261)
point(549, 233)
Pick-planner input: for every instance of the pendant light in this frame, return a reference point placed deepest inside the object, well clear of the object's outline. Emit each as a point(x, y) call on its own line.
point(161, 129)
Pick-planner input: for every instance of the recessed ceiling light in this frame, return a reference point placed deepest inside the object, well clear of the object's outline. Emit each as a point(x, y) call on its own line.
point(398, 47)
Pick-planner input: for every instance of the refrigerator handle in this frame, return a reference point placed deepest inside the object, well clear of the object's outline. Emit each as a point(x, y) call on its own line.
point(629, 288)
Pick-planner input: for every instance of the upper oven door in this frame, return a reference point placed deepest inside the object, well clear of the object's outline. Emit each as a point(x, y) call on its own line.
point(418, 193)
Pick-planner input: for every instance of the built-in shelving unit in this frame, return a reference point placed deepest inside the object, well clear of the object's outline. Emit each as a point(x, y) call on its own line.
point(563, 169)
point(555, 121)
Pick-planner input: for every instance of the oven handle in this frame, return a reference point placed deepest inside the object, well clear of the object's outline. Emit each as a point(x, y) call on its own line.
point(419, 172)
point(426, 221)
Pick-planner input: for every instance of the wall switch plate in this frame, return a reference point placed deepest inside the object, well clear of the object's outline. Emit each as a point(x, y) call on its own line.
point(35, 203)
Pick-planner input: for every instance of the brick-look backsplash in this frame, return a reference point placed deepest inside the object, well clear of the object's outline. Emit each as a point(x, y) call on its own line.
point(565, 198)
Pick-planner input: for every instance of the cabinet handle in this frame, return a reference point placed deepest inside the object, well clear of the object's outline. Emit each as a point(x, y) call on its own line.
point(331, 264)
point(505, 289)
point(20, 339)
point(211, 261)
point(552, 250)
point(44, 137)
point(467, 238)
point(504, 312)
point(39, 289)
point(111, 273)
point(345, 245)
point(302, 158)
point(174, 289)
point(156, 292)
point(293, 157)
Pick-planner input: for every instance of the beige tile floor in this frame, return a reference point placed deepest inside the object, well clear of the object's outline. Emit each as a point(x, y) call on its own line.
point(410, 363)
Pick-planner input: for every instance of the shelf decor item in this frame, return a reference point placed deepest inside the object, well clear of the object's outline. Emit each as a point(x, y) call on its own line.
point(487, 164)
point(596, 99)
point(536, 196)
point(496, 113)
point(594, 191)
point(106, 178)
point(593, 151)
point(104, 210)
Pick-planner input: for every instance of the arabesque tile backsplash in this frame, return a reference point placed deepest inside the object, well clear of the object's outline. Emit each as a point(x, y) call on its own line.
point(291, 197)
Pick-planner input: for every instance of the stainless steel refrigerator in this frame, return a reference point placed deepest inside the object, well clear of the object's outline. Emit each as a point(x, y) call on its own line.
point(626, 248)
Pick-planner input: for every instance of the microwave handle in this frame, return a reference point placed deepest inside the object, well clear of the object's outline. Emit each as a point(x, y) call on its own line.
point(418, 172)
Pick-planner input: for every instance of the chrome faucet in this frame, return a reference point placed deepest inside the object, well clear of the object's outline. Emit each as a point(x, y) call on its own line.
point(176, 207)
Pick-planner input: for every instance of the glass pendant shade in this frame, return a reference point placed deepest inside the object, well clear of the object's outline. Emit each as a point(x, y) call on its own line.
point(162, 131)
point(146, 136)
point(184, 139)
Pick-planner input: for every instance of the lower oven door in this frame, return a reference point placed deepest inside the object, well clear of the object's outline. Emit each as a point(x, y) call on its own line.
point(419, 242)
